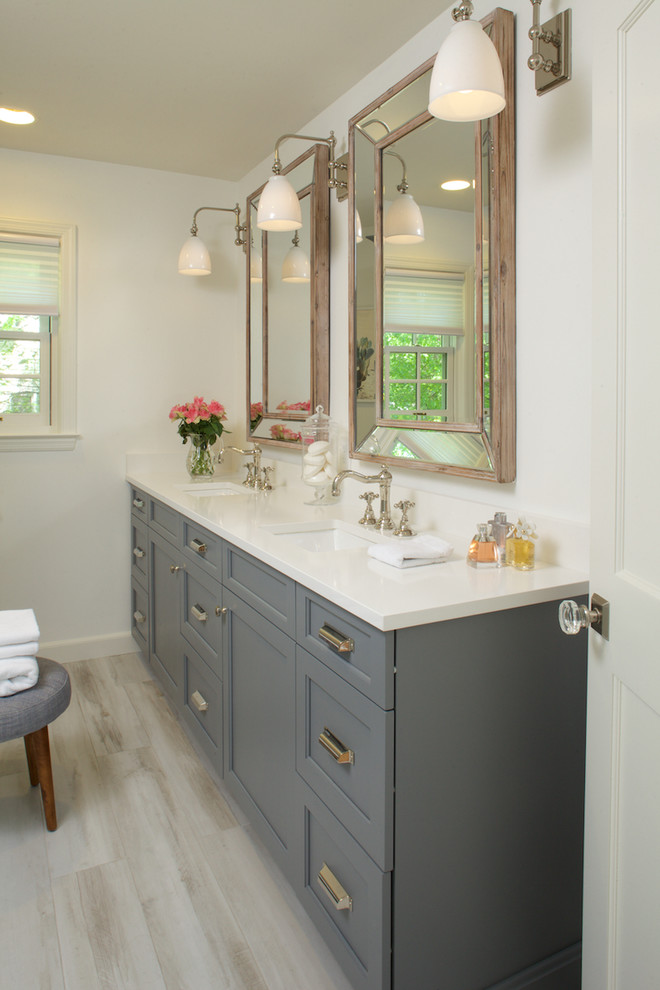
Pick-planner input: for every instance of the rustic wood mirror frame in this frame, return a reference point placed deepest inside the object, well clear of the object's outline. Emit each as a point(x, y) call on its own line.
point(314, 335)
point(495, 428)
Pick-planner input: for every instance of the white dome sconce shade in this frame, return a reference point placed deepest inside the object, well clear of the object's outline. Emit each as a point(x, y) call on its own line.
point(279, 207)
point(403, 223)
point(295, 267)
point(467, 81)
point(194, 258)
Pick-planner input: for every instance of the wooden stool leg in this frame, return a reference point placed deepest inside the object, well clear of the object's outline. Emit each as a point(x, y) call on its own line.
point(41, 753)
point(32, 764)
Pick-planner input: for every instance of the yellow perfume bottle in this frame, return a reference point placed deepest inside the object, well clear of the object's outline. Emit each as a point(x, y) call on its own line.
point(520, 548)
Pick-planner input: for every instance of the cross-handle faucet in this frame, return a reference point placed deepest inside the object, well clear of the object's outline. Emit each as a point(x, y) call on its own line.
point(254, 479)
point(384, 480)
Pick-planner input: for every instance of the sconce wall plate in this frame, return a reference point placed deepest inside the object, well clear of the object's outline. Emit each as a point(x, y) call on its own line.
point(554, 47)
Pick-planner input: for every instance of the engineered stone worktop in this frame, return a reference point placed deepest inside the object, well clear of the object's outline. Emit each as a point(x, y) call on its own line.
point(384, 596)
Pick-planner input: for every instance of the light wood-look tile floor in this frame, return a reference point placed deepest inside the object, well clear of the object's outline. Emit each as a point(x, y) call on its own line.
point(150, 881)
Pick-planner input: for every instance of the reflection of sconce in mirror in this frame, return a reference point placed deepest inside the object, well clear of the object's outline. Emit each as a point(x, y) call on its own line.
point(358, 228)
point(551, 49)
point(403, 223)
point(467, 81)
point(194, 258)
point(256, 264)
point(279, 206)
point(295, 267)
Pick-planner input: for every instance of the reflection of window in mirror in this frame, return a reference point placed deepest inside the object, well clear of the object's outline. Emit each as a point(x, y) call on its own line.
point(427, 345)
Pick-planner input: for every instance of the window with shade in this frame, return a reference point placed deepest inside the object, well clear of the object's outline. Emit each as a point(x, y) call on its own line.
point(37, 334)
point(423, 316)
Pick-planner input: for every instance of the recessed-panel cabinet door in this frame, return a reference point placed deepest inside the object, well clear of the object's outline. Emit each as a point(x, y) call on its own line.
point(259, 688)
point(166, 654)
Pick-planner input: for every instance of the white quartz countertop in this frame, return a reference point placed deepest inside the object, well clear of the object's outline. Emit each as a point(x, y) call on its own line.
point(386, 597)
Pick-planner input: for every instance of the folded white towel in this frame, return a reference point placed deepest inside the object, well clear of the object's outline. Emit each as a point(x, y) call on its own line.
point(18, 626)
point(17, 674)
point(25, 650)
point(422, 549)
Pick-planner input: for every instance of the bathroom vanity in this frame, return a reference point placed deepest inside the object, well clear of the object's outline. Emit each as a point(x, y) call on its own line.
point(409, 745)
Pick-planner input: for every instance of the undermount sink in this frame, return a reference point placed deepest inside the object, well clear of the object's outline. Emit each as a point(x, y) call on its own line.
point(206, 489)
point(322, 536)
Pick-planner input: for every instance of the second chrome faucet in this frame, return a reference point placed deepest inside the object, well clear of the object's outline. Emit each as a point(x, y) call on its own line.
point(384, 480)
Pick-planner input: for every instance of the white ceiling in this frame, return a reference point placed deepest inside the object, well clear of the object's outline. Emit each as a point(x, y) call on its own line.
point(203, 87)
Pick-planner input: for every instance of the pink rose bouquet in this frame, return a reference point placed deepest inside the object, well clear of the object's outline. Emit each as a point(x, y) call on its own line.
point(200, 420)
point(281, 432)
point(256, 414)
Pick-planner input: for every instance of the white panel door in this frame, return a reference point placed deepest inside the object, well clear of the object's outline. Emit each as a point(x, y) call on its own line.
point(622, 839)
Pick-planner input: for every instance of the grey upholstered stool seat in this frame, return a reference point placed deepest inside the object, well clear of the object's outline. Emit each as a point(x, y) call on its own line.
point(28, 714)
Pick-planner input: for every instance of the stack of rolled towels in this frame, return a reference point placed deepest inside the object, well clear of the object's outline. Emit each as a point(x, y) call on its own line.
point(19, 645)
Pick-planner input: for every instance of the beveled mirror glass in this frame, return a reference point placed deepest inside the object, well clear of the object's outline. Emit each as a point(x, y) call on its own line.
point(288, 308)
point(432, 308)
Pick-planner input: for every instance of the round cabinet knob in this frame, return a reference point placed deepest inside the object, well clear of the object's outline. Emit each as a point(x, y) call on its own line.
point(574, 617)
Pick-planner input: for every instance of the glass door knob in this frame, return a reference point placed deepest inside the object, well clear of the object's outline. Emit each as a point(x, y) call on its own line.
point(574, 617)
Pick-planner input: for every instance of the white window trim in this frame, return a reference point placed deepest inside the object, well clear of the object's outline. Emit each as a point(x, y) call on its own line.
point(62, 433)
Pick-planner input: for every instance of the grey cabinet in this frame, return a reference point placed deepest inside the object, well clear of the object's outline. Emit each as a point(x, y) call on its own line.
point(421, 789)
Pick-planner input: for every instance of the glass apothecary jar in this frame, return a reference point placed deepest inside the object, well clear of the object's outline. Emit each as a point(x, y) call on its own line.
point(320, 456)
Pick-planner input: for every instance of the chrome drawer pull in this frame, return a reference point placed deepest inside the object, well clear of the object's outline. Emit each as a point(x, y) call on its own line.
point(138, 503)
point(139, 616)
point(341, 900)
point(138, 552)
point(175, 568)
point(336, 748)
point(219, 610)
point(198, 701)
point(342, 644)
point(199, 613)
point(198, 546)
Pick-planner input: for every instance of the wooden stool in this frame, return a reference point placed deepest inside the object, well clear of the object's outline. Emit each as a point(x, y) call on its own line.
point(28, 714)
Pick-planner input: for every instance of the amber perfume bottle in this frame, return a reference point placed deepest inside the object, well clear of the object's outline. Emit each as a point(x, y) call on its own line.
point(483, 550)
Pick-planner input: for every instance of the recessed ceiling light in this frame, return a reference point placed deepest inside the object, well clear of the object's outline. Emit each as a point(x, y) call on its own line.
point(452, 184)
point(16, 116)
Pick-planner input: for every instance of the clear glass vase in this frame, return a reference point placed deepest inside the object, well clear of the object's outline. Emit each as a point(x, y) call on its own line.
point(202, 457)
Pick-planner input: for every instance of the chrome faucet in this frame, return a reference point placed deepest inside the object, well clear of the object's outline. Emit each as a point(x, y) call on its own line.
point(384, 480)
point(254, 475)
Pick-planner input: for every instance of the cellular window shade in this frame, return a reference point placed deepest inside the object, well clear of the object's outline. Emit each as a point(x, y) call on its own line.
point(431, 302)
point(29, 275)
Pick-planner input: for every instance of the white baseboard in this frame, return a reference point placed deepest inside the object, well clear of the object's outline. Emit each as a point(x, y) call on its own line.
point(89, 649)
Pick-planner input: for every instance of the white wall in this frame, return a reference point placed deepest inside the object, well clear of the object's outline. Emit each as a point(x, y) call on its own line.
point(147, 338)
point(553, 273)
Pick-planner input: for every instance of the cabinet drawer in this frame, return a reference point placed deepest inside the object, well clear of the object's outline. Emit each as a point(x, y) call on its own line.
point(139, 551)
point(139, 504)
point(140, 616)
point(358, 934)
point(345, 752)
point(165, 521)
point(202, 706)
point(203, 548)
point(262, 587)
point(361, 654)
point(201, 616)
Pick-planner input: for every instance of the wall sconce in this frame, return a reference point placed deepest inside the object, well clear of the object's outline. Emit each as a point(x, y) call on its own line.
point(551, 49)
point(403, 223)
point(194, 258)
point(279, 207)
point(467, 81)
point(295, 267)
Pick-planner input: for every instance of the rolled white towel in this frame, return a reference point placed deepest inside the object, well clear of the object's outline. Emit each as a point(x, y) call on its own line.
point(25, 650)
point(18, 626)
point(17, 674)
point(413, 552)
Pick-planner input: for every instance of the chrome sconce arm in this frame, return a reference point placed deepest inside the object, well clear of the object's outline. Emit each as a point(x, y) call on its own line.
point(551, 49)
point(194, 258)
point(333, 164)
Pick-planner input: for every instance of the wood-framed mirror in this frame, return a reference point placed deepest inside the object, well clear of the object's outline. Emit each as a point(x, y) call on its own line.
point(432, 309)
point(288, 314)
